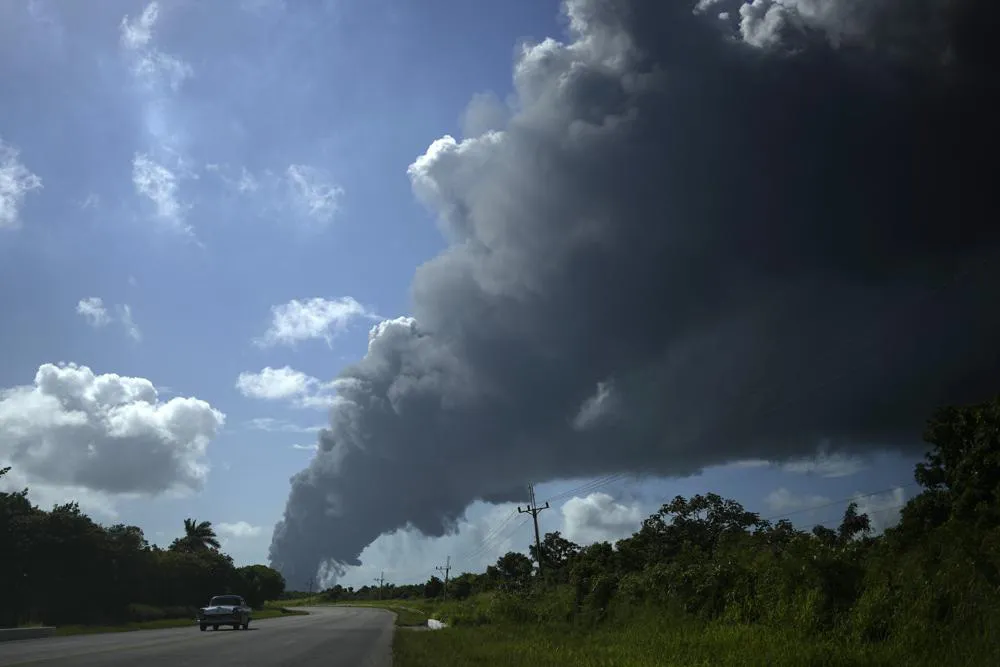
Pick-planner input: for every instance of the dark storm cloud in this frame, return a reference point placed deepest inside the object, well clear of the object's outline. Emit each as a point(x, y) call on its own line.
point(689, 245)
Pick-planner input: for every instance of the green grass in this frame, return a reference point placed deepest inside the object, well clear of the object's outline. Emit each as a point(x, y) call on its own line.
point(161, 624)
point(646, 644)
point(647, 639)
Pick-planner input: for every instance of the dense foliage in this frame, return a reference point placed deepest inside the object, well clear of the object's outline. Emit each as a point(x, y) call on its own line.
point(933, 580)
point(60, 567)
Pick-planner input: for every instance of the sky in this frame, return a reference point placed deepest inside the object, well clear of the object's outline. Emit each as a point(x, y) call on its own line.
point(344, 277)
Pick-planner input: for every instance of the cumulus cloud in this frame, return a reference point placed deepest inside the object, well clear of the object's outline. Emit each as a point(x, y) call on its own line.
point(762, 248)
point(288, 384)
point(315, 318)
point(92, 309)
point(16, 181)
point(238, 530)
point(598, 518)
point(45, 495)
point(111, 434)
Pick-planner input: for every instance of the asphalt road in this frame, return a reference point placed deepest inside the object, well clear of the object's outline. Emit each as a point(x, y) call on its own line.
point(328, 636)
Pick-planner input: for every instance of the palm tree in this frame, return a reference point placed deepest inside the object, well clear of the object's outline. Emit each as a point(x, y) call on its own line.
point(198, 536)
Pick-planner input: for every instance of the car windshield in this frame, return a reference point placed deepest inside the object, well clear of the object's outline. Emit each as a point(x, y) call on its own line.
point(224, 601)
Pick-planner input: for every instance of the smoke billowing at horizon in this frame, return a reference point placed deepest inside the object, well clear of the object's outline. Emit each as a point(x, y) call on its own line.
point(704, 231)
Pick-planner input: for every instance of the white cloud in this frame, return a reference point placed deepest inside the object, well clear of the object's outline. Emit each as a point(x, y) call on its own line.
point(138, 33)
point(274, 383)
point(92, 309)
point(882, 508)
point(16, 181)
point(313, 193)
point(823, 464)
point(73, 429)
point(783, 500)
point(596, 408)
point(159, 184)
point(96, 314)
point(45, 496)
point(150, 66)
point(320, 318)
point(484, 534)
point(598, 517)
point(306, 448)
point(749, 463)
point(238, 530)
point(306, 191)
point(280, 426)
point(827, 465)
point(287, 384)
point(125, 317)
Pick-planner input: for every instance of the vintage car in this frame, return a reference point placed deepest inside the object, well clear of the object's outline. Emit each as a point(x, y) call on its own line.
point(225, 610)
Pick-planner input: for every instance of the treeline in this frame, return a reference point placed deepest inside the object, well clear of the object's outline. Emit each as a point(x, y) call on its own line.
point(932, 580)
point(60, 567)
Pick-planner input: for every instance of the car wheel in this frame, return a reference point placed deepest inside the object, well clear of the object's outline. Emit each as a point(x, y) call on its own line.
point(246, 626)
point(202, 627)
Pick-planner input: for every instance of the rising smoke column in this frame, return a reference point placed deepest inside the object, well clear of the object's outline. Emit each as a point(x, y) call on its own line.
point(706, 233)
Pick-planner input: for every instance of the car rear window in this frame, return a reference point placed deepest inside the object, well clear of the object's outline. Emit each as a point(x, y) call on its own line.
point(224, 600)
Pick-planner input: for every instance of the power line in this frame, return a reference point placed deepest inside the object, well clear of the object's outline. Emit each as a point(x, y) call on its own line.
point(381, 582)
point(589, 486)
point(492, 537)
point(838, 502)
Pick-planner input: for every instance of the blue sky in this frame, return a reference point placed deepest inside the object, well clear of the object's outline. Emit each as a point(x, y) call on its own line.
point(229, 180)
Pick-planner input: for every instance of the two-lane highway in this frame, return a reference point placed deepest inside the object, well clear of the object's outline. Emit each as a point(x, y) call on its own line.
point(328, 636)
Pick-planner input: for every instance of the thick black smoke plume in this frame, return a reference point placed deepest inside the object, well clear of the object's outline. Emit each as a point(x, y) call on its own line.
point(704, 233)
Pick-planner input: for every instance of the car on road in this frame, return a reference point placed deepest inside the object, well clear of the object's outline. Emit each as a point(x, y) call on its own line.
point(225, 610)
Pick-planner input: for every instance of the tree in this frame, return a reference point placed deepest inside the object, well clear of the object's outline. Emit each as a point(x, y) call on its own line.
point(557, 552)
point(963, 467)
point(701, 522)
point(197, 537)
point(513, 570)
point(260, 584)
point(461, 586)
point(433, 588)
point(853, 524)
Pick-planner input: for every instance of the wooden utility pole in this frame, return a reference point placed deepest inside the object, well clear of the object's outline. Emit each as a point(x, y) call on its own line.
point(533, 509)
point(446, 568)
point(381, 582)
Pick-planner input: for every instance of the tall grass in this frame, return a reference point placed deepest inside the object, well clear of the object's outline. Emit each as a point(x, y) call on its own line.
point(508, 631)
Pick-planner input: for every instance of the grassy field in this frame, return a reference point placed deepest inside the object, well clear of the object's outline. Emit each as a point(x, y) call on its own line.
point(301, 602)
point(258, 615)
point(645, 641)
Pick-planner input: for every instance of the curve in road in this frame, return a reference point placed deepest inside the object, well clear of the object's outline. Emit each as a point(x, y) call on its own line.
point(329, 636)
